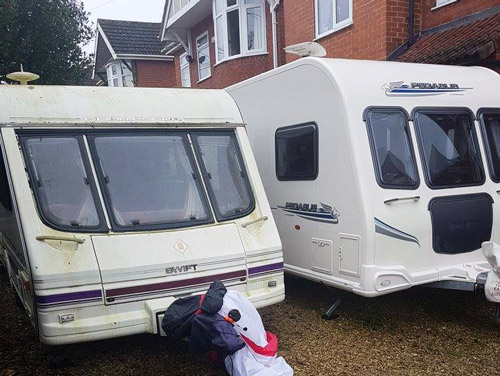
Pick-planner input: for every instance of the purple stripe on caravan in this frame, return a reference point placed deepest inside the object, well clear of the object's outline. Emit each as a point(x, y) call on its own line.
point(265, 268)
point(68, 297)
point(174, 284)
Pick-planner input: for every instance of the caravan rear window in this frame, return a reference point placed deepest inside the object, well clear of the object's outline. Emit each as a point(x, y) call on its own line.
point(65, 191)
point(449, 148)
point(393, 156)
point(149, 181)
point(490, 125)
point(225, 174)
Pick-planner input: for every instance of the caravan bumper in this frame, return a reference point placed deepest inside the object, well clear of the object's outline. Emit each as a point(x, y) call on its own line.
point(97, 321)
point(384, 280)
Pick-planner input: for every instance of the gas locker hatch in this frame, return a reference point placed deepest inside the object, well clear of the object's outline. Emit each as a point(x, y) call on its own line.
point(142, 266)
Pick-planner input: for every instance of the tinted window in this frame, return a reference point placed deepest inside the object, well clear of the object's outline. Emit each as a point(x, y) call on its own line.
point(490, 123)
point(9, 229)
point(392, 152)
point(297, 152)
point(449, 148)
point(225, 174)
point(150, 181)
point(63, 188)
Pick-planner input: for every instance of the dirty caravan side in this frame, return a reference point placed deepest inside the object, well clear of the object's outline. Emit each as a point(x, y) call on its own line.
point(126, 199)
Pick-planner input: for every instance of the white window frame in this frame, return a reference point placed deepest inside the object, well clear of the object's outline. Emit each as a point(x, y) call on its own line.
point(336, 26)
point(184, 65)
point(207, 45)
point(442, 3)
point(119, 76)
point(242, 12)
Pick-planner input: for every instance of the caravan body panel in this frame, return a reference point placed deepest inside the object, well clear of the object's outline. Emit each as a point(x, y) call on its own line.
point(386, 228)
point(118, 275)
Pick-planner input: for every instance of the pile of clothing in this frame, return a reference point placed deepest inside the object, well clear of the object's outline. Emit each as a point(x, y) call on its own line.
point(227, 325)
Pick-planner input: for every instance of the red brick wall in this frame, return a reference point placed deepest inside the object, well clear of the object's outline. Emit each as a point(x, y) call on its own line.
point(152, 73)
point(231, 71)
point(453, 11)
point(364, 39)
point(397, 22)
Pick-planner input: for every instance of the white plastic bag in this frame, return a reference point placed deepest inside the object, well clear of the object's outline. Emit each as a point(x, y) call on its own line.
point(492, 287)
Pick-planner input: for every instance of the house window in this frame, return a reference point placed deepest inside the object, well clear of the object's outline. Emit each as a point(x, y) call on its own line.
point(296, 150)
point(203, 52)
point(240, 27)
point(119, 74)
point(442, 3)
point(332, 15)
point(185, 75)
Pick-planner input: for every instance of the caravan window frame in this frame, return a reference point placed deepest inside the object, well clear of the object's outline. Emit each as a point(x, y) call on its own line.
point(24, 136)
point(480, 116)
point(220, 217)
point(303, 177)
point(375, 161)
point(447, 111)
point(106, 195)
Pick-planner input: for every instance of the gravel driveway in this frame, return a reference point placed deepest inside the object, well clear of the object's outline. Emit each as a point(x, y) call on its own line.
point(416, 332)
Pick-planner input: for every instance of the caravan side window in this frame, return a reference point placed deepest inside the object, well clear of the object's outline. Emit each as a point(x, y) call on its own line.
point(449, 148)
point(393, 157)
point(490, 126)
point(224, 171)
point(61, 179)
point(297, 152)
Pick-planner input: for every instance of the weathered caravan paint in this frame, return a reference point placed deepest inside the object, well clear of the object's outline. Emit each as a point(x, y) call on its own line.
point(378, 196)
point(117, 278)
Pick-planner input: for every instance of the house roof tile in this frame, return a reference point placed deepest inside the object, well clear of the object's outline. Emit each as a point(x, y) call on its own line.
point(461, 41)
point(133, 38)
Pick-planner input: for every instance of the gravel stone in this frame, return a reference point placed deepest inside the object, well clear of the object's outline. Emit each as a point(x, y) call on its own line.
point(415, 332)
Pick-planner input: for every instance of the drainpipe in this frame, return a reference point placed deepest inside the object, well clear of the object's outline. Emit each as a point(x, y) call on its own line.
point(411, 19)
point(274, 6)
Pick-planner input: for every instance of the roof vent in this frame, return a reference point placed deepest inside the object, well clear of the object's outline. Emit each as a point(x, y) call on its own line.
point(22, 76)
point(306, 49)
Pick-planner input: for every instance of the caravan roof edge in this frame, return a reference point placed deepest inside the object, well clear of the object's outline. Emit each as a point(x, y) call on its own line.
point(104, 106)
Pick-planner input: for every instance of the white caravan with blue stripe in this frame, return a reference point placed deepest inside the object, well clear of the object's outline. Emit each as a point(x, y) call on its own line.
point(381, 175)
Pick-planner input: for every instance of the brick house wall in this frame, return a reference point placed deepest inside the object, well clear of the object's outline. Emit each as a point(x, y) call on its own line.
point(397, 22)
point(379, 27)
point(453, 11)
point(235, 70)
point(151, 73)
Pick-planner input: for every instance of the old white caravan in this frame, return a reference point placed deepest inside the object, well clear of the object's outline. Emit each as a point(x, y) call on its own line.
point(114, 202)
point(380, 175)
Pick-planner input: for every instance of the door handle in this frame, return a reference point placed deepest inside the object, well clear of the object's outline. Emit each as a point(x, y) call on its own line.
point(263, 218)
point(43, 238)
point(414, 199)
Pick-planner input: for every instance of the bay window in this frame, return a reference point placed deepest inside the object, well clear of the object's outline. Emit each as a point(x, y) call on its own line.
point(119, 74)
point(332, 15)
point(240, 27)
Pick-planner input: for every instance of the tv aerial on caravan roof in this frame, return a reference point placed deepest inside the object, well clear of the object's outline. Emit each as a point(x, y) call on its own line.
point(306, 49)
point(22, 76)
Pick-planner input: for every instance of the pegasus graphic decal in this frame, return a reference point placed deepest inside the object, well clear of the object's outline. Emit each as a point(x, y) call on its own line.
point(324, 213)
point(400, 88)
